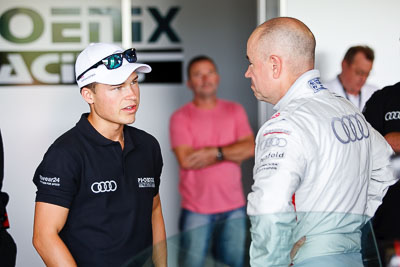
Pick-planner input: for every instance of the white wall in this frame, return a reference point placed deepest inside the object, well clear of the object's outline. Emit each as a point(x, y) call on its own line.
point(339, 24)
point(31, 118)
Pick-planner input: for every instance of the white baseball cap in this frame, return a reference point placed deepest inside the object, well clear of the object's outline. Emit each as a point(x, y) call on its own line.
point(93, 54)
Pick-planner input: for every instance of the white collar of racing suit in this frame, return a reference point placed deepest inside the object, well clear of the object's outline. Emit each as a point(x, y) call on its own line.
point(307, 84)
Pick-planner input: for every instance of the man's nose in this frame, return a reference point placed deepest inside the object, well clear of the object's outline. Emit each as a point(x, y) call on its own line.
point(131, 92)
point(247, 73)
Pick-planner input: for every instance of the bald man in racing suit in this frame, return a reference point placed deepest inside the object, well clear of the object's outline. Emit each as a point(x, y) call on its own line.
point(317, 146)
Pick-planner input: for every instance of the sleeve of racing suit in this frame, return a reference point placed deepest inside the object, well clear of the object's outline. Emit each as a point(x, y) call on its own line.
point(279, 165)
point(382, 174)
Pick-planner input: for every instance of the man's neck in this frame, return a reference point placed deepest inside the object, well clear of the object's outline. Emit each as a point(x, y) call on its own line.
point(110, 131)
point(353, 93)
point(205, 103)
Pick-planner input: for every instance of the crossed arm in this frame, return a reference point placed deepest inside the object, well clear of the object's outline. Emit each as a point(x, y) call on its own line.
point(190, 158)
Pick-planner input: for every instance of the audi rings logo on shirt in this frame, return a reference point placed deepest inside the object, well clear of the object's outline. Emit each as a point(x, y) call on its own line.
point(273, 141)
point(392, 115)
point(104, 186)
point(350, 128)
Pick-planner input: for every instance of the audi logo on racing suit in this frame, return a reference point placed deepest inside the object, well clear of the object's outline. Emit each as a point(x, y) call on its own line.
point(350, 128)
point(392, 115)
point(273, 141)
point(104, 186)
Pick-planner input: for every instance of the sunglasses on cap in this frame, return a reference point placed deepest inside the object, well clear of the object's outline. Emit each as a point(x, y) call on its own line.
point(114, 61)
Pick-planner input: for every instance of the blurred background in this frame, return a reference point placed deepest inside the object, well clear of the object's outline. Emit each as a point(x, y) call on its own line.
point(39, 100)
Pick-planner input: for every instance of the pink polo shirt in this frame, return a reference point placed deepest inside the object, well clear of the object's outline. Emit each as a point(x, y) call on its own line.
point(217, 188)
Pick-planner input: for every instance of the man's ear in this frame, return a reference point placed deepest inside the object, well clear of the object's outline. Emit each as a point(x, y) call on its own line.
point(276, 65)
point(87, 95)
point(345, 65)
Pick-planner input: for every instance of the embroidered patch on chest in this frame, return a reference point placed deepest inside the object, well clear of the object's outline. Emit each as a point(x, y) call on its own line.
point(146, 182)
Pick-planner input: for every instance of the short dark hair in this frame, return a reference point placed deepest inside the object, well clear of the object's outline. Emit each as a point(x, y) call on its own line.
point(197, 59)
point(366, 50)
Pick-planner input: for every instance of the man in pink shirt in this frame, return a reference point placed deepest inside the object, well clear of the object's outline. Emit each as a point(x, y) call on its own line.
point(210, 138)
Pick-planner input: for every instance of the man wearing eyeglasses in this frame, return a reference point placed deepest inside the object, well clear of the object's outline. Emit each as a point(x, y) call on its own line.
point(351, 82)
point(97, 200)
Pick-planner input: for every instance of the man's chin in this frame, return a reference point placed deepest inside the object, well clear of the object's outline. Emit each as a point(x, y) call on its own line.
point(356, 91)
point(129, 120)
point(258, 96)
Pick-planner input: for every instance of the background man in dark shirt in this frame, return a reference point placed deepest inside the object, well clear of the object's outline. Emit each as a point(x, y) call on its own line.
point(382, 111)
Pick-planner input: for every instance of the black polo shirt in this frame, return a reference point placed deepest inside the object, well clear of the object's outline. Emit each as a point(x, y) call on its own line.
point(382, 111)
point(108, 191)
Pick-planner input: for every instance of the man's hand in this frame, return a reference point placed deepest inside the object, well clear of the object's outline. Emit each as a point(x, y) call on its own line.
point(190, 158)
point(202, 158)
point(296, 247)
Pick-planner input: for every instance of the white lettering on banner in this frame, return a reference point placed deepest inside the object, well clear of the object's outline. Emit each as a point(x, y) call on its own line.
point(39, 66)
point(54, 35)
point(17, 65)
point(52, 181)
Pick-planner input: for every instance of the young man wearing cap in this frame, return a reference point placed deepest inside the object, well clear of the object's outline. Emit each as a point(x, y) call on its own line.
point(97, 202)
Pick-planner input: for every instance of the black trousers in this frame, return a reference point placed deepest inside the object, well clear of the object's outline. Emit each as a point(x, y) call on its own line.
point(8, 249)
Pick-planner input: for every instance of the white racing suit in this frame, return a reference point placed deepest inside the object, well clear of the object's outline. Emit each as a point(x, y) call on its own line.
point(318, 147)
